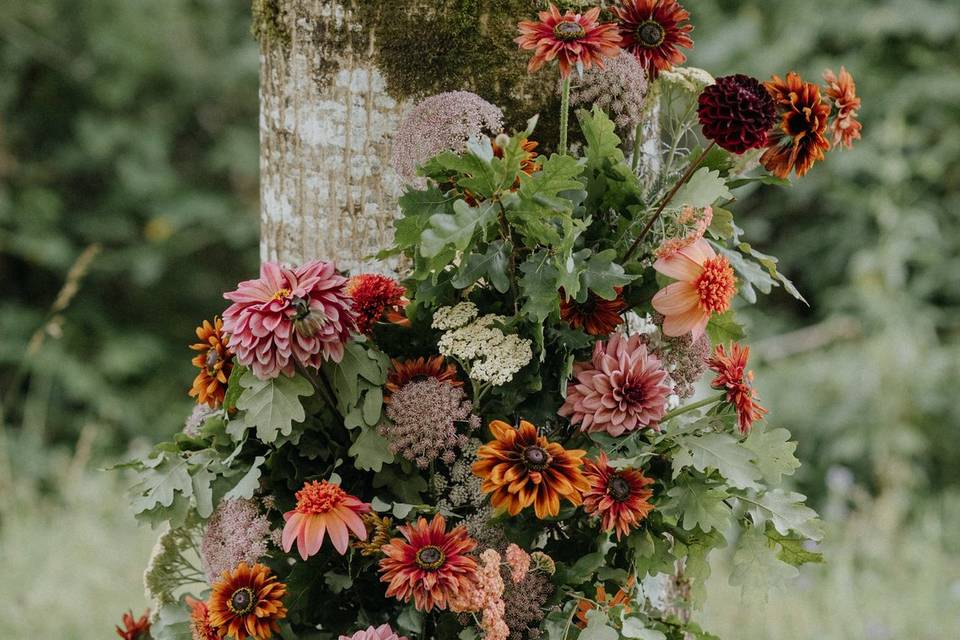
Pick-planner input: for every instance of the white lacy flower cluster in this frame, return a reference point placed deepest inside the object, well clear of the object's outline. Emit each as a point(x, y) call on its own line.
point(488, 353)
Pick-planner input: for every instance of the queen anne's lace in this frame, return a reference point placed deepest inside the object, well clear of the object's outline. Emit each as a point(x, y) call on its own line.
point(488, 354)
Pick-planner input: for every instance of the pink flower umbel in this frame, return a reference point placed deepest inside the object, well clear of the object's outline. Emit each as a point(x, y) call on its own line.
point(621, 389)
point(573, 39)
point(383, 632)
point(289, 316)
point(322, 508)
point(705, 285)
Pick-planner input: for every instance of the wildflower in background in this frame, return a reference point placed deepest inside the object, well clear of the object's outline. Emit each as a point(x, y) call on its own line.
point(621, 389)
point(619, 89)
point(574, 40)
point(733, 377)
point(237, 532)
point(654, 31)
point(737, 112)
point(705, 285)
point(200, 627)
point(842, 90)
point(383, 632)
point(444, 122)
point(423, 421)
point(378, 534)
point(215, 361)
point(619, 497)
point(323, 508)
point(403, 372)
point(376, 298)
point(288, 317)
point(595, 316)
point(519, 562)
point(488, 354)
point(799, 142)
point(247, 603)
point(521, 468)
point(429, 564)
point(135, 628)
point(621, 599)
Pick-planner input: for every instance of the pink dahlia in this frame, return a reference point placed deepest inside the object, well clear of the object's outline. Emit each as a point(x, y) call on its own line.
point(622, 388)
point(383, 632)
point(289, 316)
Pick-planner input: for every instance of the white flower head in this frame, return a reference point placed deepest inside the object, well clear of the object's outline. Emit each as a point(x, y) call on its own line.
point(454, 317)
point(489, 354)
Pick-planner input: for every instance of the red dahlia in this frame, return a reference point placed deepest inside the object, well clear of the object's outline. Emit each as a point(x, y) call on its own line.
point(376, 298)
point(654, 31)
point(737, 113)
point(596, 316)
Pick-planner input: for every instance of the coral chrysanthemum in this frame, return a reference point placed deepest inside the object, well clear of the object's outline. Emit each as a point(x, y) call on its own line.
point(520, 468)
point(376, 298)
point(842, 90)
point(247, 603)
point(323, 508)
point(573, 39)
point(403, 372)
point(622, 388)
point(737, 112)
point(429, 564)
point(200, 627)
point(619, 497)
point(654, 31)
point(705, 285)
point(799, 142)
point(733, 377)
point(596, 316)
point(288, 317)
point(135, 628)
point(215, 361)
point(383, 632)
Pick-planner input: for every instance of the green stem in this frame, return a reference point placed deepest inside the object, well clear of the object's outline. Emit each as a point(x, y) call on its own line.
point(679, 411)
point(564, 115)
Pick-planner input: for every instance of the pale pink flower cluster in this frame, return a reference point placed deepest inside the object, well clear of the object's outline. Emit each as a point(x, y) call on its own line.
point(619, 89)
point(238, 531)
point(484, 595)
point(383, 632)
point(695, 222)
point(518, 561)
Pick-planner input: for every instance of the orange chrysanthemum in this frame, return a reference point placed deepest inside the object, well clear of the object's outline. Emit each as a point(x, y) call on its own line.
point(573, 39)
point(376, 298)
point(620, 498)
point(654, 31)
point(200, 627)
point(842, 90)
point(596, 316)
point(429, 564)
point(215, 361)
point(135, 628)
point(247, 603)
point(732, 375)
point(621, 599)
point(323, 508)
point(522, 468)
point(800, 142)
point(406, 371)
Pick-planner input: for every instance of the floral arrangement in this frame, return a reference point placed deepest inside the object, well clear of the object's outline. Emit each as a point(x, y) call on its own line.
point(555, 404)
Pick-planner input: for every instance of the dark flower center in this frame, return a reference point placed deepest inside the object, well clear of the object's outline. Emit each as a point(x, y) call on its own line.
point(430, 557)
point(536, 458)
point(618, 489)
point(211, 360)
point(651, 34)
point(241, 602)
point(569, 30)
point(307, 321)
point(633, 394)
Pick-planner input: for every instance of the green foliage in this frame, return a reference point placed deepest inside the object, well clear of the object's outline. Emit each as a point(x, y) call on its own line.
point(272, 406)
point(757, 569)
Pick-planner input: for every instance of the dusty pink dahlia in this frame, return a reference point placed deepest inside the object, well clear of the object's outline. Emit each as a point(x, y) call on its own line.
point(621, 389)
point(289, 316)
point(383, 632)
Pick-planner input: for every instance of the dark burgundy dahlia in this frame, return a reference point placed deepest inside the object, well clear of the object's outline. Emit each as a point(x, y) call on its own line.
point(737, 112)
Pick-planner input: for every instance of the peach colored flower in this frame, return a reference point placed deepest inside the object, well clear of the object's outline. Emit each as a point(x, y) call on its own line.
point(705, 285)
point(323, 508)
point(842, 90)
point(518, 561)
point(383, 632)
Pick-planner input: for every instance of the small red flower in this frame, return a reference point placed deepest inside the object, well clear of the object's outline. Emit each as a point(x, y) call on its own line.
point(573, 39)
point(738, 383)
point(620, 498)
point(654, 31)
point(135, 628)
point(376, 298)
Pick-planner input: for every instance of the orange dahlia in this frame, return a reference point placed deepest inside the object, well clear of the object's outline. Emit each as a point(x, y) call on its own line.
point(799, 142)
point(596, 316)
point(376, 298)
point(654, 31)
point(215, 361)
point(406, 371)
point(620, 498)
point(323, 508)
point(135, 628)
point(247, 603)
point(200, 627)
point(573, 39)
point(429, 564)
point(732, 376)
point(522, 468)
point(842, 90)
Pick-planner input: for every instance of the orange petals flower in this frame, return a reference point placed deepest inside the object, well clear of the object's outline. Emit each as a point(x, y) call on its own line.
point(323, 508)
point(215, 361)
point(200, 626)
point(842, 90)
point(573, 39)
point(522, 468)
point(654, 31)
point(135, 628)
point(596, 316)
point(800, 142)
point(705, 285)
point(621, 599)
point(406, 371)
point(429, 564)
point(247, 603)
point(738, 383)
point(619, 497)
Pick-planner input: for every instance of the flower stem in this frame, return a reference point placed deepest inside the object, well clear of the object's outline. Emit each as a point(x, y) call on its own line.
point(696, 405)
point(564, 115)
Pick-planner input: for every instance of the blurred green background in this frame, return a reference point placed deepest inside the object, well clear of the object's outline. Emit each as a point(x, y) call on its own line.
point(128, 140)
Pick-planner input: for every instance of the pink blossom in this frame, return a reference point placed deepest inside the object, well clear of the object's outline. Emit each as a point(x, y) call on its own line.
point(519, 562)
point(383, 632)
point(289, 316)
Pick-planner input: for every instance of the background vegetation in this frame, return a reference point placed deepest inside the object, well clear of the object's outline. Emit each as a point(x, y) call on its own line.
point(130, 127)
